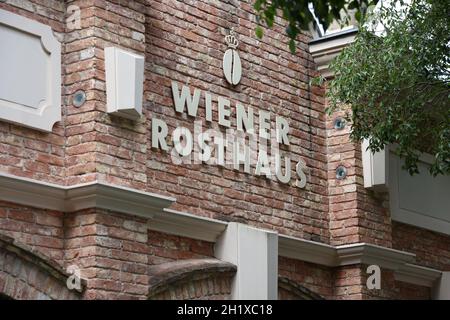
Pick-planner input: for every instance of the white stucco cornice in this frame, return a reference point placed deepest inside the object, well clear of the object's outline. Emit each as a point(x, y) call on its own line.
point(418, 275)
point(365, 253)
point(306, 250)
point(335, 256)
point(95, 194)
point(325, 49)
point(33, 193)
point(402, 263)
point(187, 225)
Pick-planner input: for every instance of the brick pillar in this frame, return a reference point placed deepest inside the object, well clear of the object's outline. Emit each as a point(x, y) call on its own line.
point(79, 65)
point(356, 214)
point(99, 146)
point(111, 252)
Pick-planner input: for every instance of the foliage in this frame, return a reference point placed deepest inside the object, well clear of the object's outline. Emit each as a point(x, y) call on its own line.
point(299, 17)
point(397, 82)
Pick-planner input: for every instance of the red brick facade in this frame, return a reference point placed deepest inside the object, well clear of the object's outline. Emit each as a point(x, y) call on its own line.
point(182, 41)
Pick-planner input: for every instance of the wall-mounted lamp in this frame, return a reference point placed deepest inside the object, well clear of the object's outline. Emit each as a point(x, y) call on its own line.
point(339, 123)
point(341, 172)
point(79, 98)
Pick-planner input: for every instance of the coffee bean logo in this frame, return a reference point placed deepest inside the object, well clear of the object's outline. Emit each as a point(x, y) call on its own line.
point(232, 67)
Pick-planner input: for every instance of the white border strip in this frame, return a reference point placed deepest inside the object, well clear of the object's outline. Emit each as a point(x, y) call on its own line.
point(44, 195)
point(81, 196)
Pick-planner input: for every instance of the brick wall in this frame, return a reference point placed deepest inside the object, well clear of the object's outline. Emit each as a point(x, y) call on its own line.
point(27, 152)
point(97, 146)
point(165, 248)
point(432, 249)
point(182, 49)
point(114, 252)
point(39, 229)
point(25, 273)
point(316, 278)
point(356, 214)
point(93, 145)
point(392, 289)
point(183, 41)
point(111, 251)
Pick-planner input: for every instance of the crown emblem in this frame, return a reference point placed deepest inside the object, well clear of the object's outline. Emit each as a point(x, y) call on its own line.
point(231, 40)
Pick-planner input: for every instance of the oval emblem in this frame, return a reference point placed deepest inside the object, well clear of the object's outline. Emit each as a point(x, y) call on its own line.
point(232, 68)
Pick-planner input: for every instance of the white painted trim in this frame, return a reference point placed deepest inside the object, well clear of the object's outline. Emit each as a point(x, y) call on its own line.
point(357, 253)
point(418, 275)
point(45, 195)
point(324, 51)
point(306, 250)
point(365, 253)
point(44, 115)
point(187, 225)
point(82, 196)
point(381, 173)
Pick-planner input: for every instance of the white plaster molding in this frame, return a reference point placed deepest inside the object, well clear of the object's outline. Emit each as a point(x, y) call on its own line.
point(82, 196)
point(30, 72)
point(325, 49)
point(305, 250)
point(418, 275)
point(44, 195)
point(358, 253)
point(120, 199)
point(187, 225)
point(365, 253)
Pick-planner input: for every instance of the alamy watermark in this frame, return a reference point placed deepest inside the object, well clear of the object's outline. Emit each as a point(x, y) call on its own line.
point(73, 20)
point(374, 280)
point(74, 280)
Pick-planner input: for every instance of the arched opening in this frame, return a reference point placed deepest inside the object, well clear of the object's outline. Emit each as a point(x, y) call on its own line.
point(191, 279)
point(291, 290)
point(27, 274)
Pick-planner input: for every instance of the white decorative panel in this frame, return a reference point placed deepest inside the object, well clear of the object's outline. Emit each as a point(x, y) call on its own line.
point(124, 82)
point(30, 72)
point(420, 200)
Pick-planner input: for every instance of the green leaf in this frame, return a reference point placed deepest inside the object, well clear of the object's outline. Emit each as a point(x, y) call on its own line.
point(292, 45)
point(259, 32)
